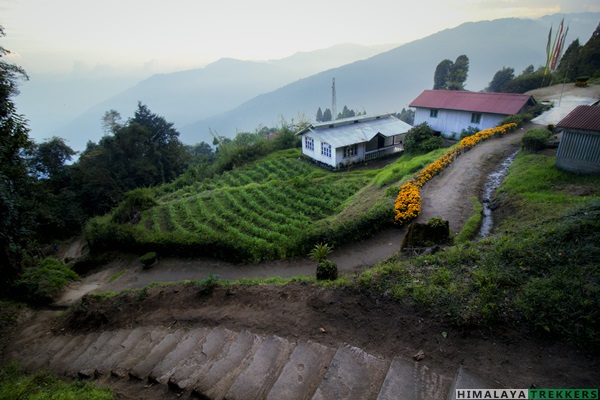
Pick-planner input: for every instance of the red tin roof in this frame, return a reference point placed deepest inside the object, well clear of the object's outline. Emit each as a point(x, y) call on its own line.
point(585, 118)
point(483, 102)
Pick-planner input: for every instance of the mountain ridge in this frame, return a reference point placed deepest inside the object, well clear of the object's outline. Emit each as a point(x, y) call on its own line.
point(387, 82)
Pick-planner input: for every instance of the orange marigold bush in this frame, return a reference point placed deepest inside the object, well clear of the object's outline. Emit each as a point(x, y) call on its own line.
point(408, 202)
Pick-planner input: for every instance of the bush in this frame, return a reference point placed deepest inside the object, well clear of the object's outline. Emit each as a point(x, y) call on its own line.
point(470, 131)
point(207, 285)
point(327, 270)
point(45, 280)
point(136, 201)
point(535, 139)
point(518, 119)
point(148, 259)
point(422, 139)
point(320, 252)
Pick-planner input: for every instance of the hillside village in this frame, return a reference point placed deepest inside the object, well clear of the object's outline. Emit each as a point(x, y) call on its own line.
point(339, 259)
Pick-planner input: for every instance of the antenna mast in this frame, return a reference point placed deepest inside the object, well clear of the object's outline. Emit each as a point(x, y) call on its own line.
point(333, 102)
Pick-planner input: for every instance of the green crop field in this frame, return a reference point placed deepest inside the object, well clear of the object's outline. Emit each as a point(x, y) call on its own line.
point(274, 208)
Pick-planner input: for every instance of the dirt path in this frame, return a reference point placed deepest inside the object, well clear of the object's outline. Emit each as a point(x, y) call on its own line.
point(448, 194)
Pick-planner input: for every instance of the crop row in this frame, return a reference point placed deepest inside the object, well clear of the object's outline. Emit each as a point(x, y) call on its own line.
point(266, 220)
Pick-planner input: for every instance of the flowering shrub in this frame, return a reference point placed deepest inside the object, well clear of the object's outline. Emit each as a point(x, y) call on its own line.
point(408, 203)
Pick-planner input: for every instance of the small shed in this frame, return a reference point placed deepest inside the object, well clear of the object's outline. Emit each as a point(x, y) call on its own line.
point(452, 111)
point(579, 147)
point(353, 140)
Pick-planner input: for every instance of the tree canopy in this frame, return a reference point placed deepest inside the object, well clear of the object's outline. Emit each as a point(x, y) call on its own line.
point(16, 206)
point(450, 75)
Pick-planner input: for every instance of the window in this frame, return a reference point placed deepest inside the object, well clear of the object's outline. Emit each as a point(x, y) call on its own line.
point(350, 151)
point(326, 149)
point(433, 113)
point(475, 118)
point(309, 143)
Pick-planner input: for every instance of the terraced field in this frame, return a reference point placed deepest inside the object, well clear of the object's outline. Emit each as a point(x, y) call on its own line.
point(274, 208)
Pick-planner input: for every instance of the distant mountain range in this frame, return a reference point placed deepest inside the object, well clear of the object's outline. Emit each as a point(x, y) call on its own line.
point(230, 96)
point(187, 96)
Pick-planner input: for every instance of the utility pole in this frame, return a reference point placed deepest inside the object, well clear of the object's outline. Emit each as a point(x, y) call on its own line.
point(333, 102)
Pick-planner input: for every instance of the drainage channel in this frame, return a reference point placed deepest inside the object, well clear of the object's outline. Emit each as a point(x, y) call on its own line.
point(492, 183)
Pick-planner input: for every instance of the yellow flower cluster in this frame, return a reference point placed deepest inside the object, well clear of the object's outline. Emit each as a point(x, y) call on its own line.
point(408, 202)
point(471, 141)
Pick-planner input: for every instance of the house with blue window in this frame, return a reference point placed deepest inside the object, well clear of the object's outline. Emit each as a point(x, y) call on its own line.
point(348, 141)
point(449, 112)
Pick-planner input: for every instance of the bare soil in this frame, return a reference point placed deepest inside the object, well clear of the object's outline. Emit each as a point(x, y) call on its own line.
point(512, 356)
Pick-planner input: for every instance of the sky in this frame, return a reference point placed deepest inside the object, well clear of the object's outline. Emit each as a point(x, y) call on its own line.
point(113, 36)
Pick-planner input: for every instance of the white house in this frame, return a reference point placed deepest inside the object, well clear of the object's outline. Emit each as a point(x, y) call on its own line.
point(353, 140)
point(451, 111)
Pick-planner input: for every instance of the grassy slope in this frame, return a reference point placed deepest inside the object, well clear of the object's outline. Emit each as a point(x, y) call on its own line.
point(540, 268)
point(276, 207)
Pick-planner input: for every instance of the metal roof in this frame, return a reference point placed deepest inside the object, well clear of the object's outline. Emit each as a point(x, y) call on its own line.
point(586, 118)
point(354, 130)
point(483, 102)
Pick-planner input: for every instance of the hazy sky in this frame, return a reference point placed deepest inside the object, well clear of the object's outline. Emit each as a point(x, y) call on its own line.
point(103, 35)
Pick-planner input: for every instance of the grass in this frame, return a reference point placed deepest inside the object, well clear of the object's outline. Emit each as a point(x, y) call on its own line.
point(540, 269)
point(116, 276)
point(472, 225)
point(16, 384)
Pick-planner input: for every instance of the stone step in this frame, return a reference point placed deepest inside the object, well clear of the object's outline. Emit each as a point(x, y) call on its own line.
point(466, 379)
point(187, 373)
point(216, 363)
point(74, 349)
point(413, 381)
point(85, 357)
point(262, 369)
point(352, 374)
point(113, 345)
point(157, 354)
point(139, 351)
point(121, 350)
point(303, 372)
point(38, 356)
point(213, 378)
point(163, 371)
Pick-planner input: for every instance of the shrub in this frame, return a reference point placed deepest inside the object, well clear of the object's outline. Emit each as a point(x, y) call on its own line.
point(45, 280)
point(422, 139)
point(207, 285)
point(518, 119)
point(135, 202)
point(535, 139)
point(327, 270)
point(320, 252)
point(148, 259)
point(470, 131)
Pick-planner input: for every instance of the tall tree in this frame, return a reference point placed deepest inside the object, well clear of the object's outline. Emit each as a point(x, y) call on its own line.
point(319, 116)
point(442, 72)
point(458, 73)
point(16, 184)
point(327, 115)
point(501, 79)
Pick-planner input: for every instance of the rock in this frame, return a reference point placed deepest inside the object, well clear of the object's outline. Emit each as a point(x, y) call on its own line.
point(419, 356)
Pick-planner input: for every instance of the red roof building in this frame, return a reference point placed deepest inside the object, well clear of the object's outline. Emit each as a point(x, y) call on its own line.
point(452, 111)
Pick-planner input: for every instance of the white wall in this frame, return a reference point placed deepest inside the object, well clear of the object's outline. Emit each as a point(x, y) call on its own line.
point(450, 121)
point(316, 153)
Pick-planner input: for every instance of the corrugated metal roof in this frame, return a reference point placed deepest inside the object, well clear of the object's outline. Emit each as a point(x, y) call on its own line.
point(586, 118)
point(357, 130)
point(483, 102)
